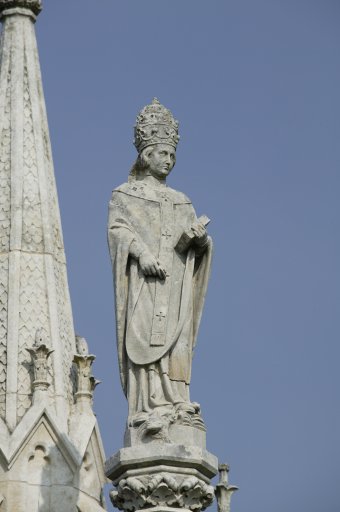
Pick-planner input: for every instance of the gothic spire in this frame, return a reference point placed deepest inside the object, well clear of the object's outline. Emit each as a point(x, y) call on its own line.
point(38, 382)
point(32, 262)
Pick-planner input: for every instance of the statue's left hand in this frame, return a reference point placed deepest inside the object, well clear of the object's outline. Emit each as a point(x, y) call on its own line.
point(201, 236)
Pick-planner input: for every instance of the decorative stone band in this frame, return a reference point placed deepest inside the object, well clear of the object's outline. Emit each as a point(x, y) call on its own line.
point(162, 490)
point(25, 7)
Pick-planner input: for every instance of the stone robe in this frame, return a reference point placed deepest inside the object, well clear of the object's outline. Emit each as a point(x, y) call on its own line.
point(157, 320)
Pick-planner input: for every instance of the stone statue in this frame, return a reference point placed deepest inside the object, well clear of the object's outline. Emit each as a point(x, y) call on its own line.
point(161, 257)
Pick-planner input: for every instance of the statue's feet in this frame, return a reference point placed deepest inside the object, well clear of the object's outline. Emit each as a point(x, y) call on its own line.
point(189, 414)
point(153, 425)
point(138, 419)
point(188, 407)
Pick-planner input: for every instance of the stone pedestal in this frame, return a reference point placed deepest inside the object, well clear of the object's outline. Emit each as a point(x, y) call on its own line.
point(175, 434)
point(162, 476)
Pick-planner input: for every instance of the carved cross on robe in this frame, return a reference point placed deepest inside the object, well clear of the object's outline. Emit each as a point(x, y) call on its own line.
point(167, 234)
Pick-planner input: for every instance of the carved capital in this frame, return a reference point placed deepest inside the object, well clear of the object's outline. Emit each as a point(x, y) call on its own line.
point(162, 490)
point(25, 7)
point(40, 354)
point(86, 382)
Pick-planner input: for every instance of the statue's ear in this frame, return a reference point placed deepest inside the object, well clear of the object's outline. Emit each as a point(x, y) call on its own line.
point(146, 154)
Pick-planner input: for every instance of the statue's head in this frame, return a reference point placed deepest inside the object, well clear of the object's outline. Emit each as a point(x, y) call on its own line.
point(157, 160)
point(156, 139)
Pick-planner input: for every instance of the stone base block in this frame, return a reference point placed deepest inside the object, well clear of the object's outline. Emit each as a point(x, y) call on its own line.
point(179, 434)
point(162, 477)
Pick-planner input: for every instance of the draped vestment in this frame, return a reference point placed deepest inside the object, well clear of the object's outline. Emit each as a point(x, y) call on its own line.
point(157, 320)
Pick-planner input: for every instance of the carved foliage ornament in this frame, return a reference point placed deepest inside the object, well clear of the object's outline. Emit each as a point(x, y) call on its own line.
point(164, 490)
point(40, 354)
point(86, 382)
point(155, 124)
point(34, 5)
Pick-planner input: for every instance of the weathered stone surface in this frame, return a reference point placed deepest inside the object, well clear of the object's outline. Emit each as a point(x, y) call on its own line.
point(175, 433)
point(223, 490)
point(34, 5)
point(162, 475)
point(51, 456)
point(85, 382)
point(40, 354)
point(149, 457)
point(159, 289)
point(162, 490)
point(48, 469)
point(36, 286)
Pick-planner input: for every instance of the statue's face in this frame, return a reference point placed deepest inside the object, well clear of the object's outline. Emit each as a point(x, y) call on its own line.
point(161, 158)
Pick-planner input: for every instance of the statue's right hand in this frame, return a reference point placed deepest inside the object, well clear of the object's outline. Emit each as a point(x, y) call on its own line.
point(151, 266)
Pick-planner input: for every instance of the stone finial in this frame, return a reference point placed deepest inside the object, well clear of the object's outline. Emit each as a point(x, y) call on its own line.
point(26, 7)
point(40, 353)
point(82, 346)
point(86, 383)
point(223, 490)
point(84, 370)
point(223, 470)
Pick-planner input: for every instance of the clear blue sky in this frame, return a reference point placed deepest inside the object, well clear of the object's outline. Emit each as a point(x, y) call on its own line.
point(255, 86)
